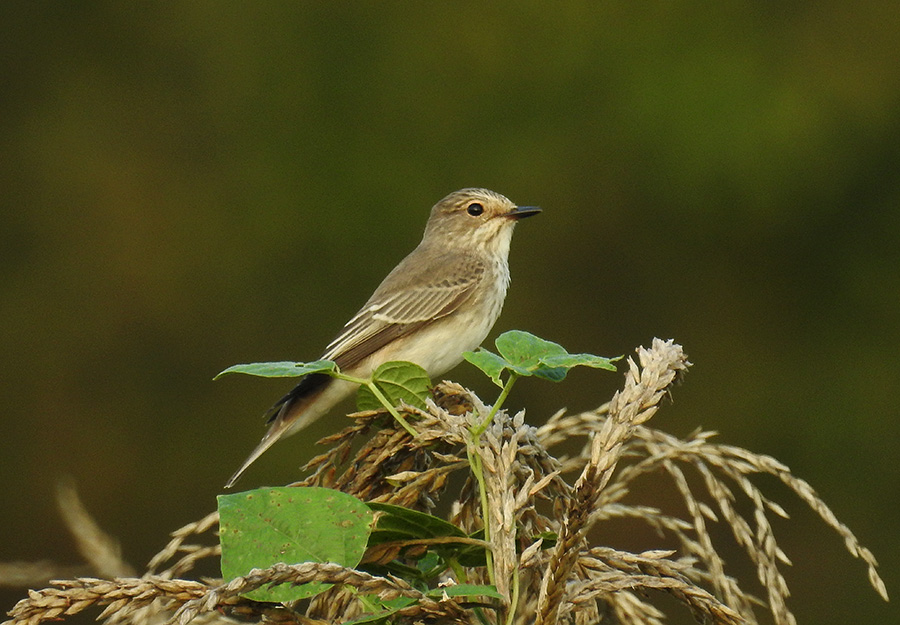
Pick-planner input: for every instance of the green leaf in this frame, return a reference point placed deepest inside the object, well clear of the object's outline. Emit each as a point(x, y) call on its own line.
point(472, 555)
point(259, 528)
point(410, 574)
point(430, 565)
point(465, 590)
point(525, 354)
point(489, 362)
point(550, 539)
point(398, 381)
point(525, 349)
point(399, 523)
point(283, 369)
point(580, 360)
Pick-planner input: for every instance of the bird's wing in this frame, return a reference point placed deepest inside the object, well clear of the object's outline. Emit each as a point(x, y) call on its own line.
point(396, 310)
point(409, 298)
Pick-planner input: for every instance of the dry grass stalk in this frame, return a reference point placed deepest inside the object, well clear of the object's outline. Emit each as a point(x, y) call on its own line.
point(121, 595)
point(33, 574)
point(498, 456)
point(609, 568)
point(568, 582)
point(515, 475)
point(364, 583)
point(101, 552)
point(191, 552)
point(632, 406)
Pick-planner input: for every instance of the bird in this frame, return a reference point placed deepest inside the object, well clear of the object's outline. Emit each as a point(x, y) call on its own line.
point(441, 300)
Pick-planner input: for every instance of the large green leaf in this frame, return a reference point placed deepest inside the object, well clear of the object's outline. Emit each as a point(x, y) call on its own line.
point(262, 527)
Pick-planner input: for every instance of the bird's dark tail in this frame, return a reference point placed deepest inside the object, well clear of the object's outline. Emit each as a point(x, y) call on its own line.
point(283, 416)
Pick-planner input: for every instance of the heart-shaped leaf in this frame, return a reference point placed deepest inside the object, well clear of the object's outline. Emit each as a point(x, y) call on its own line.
point(489, 362)
point(398, 381)
point(259, 528)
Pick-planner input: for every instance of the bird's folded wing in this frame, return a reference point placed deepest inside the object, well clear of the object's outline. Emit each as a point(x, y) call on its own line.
point(395, 313)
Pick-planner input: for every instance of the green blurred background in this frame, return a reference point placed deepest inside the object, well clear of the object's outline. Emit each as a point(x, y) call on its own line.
point(186, 186)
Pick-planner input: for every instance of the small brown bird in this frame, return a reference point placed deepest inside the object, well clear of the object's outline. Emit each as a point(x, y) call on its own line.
point(439, 302)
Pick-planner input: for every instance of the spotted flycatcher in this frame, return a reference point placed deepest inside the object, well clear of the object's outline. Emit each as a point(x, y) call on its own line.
point(439, 302)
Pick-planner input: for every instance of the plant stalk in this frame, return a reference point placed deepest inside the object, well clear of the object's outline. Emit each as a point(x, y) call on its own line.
point(380, 396)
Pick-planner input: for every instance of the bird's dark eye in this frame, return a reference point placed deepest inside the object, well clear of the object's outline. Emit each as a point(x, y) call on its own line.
point(475, 209)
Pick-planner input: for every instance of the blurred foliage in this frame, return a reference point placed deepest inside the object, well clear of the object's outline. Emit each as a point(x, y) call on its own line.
point(189, 185)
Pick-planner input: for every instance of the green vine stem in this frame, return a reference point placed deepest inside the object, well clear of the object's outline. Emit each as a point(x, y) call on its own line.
point(481, 427)
point(380, 396)
point(478, 472)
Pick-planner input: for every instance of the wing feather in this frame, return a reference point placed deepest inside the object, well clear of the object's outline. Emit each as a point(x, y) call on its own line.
point(399, 309)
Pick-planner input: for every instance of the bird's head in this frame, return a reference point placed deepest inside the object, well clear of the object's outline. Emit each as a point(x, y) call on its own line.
point(477, 219)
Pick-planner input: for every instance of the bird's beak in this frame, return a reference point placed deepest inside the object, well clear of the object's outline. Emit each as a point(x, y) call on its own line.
point(521, 212)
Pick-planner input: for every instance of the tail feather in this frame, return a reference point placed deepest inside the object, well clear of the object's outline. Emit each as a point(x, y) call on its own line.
point(284, 419)
point(267, 441)
point(310, 399)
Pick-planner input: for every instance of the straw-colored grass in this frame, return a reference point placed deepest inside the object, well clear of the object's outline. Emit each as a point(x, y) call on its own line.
point(529, 491)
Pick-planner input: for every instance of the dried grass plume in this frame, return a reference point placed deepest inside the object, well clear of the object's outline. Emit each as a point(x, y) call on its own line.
point(531, 491)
